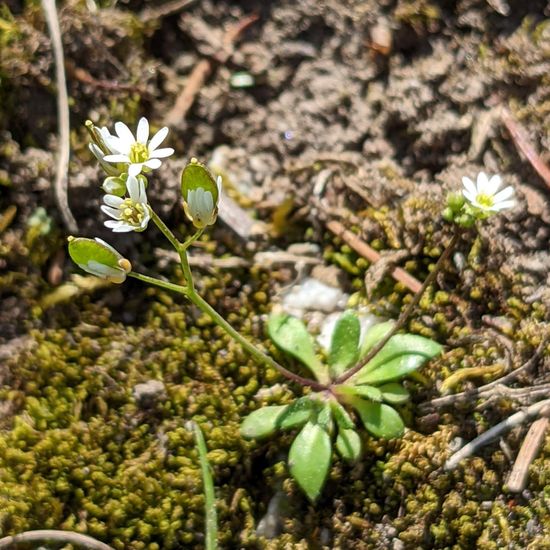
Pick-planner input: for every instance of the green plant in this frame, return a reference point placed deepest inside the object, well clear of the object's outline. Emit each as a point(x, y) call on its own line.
point(361, 376)
point(322, 417)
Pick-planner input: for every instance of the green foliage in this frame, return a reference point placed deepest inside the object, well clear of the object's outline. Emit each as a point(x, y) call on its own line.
point(370, 393)
point(291, 335)
point(309, 459)
point(345, 344)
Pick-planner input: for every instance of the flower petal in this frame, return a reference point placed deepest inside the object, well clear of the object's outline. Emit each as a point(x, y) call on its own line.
point(493, 184)
point(153, 163)
point(132, 184)
point(124, 134)
point(504, 205)
point(134, 169)
point(116, 145)
point(116, 158)
point(123, 228)
point(482, 184)
point(469, 185)
point(506, 193)
point(114, 213)
point(161, 153)
point(142, 133)
point(112, 200)
point(157, 139)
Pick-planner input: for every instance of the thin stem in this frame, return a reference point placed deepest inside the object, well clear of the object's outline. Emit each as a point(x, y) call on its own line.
point(188, 242)
point(164, 230)
point(405, 315)
point(248, 346)
point(205, 307)
point(208, 490)
point(158, 282)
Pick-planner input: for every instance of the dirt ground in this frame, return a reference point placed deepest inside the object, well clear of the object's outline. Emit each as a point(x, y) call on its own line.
point(364, 112)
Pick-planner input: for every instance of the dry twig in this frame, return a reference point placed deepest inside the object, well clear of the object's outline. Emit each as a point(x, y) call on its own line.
point(64, 537)
point(362, 248)
point(164, 10)
point(522, 142)
point(62, 169)
point(512, 421)
point(529, 450)
point(202, 71)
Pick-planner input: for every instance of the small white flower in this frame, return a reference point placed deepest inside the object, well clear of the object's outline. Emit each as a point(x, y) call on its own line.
point(199, 206)
point(138, 152)
point(130, 214)
point(483, 195)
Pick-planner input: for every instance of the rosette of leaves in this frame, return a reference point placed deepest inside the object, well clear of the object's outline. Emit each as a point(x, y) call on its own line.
point(333, 417)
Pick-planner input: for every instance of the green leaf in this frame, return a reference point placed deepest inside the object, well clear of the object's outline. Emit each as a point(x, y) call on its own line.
point(344, 347)
point(394, 393)
point(309, 459)
point(348, 444)
point(291, 335)
point(297, 414)
point(342, 417)
point(374, 335)
point(196, 175)
point(402, 354)
point(324, 418)
point(368, 392)
point(262, 422)
point(379, 419)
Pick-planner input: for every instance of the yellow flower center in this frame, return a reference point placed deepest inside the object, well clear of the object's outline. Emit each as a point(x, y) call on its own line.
point(132, 212)
point(486, 201)
point(139, 153)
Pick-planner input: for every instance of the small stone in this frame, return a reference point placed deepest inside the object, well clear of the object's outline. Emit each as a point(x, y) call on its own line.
point(149, 393)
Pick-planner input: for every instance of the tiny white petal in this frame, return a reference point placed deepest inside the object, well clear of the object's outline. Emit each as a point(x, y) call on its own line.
point(219, 185)
point(153, 163)
point(469, 185)
point(114, 213)
point(469, 196)
point(506, 193)
point(493, 184)
point(161, 153)
point(112, 200)
point(157, 139)
point(124, 133)
point(116, 158)
point(133, 186)
point(504, 205)
point(134, 169)
point(142, 133)
point(116, 145)
point(482, 184)
point(123, 228)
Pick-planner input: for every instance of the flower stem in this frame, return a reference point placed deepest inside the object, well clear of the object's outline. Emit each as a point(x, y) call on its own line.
point(159, 282)
point(206, 308)
point(406, 314)
point(259, 355)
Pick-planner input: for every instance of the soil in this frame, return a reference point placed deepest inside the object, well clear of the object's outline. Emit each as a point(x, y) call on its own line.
point(384, 105)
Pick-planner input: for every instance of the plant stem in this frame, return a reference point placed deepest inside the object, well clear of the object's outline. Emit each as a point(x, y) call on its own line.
point(248, 346)
point(205, 307)
point(208, 490)
point(158, 282)
point(406, 314)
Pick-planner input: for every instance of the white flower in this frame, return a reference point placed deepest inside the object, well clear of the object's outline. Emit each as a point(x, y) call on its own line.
point(138, 152)
point(199, 206)
point(130, 214)
point(483, 195)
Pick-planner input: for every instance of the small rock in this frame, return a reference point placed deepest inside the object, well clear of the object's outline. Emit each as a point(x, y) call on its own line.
point(149, 393)
point(313, 295)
